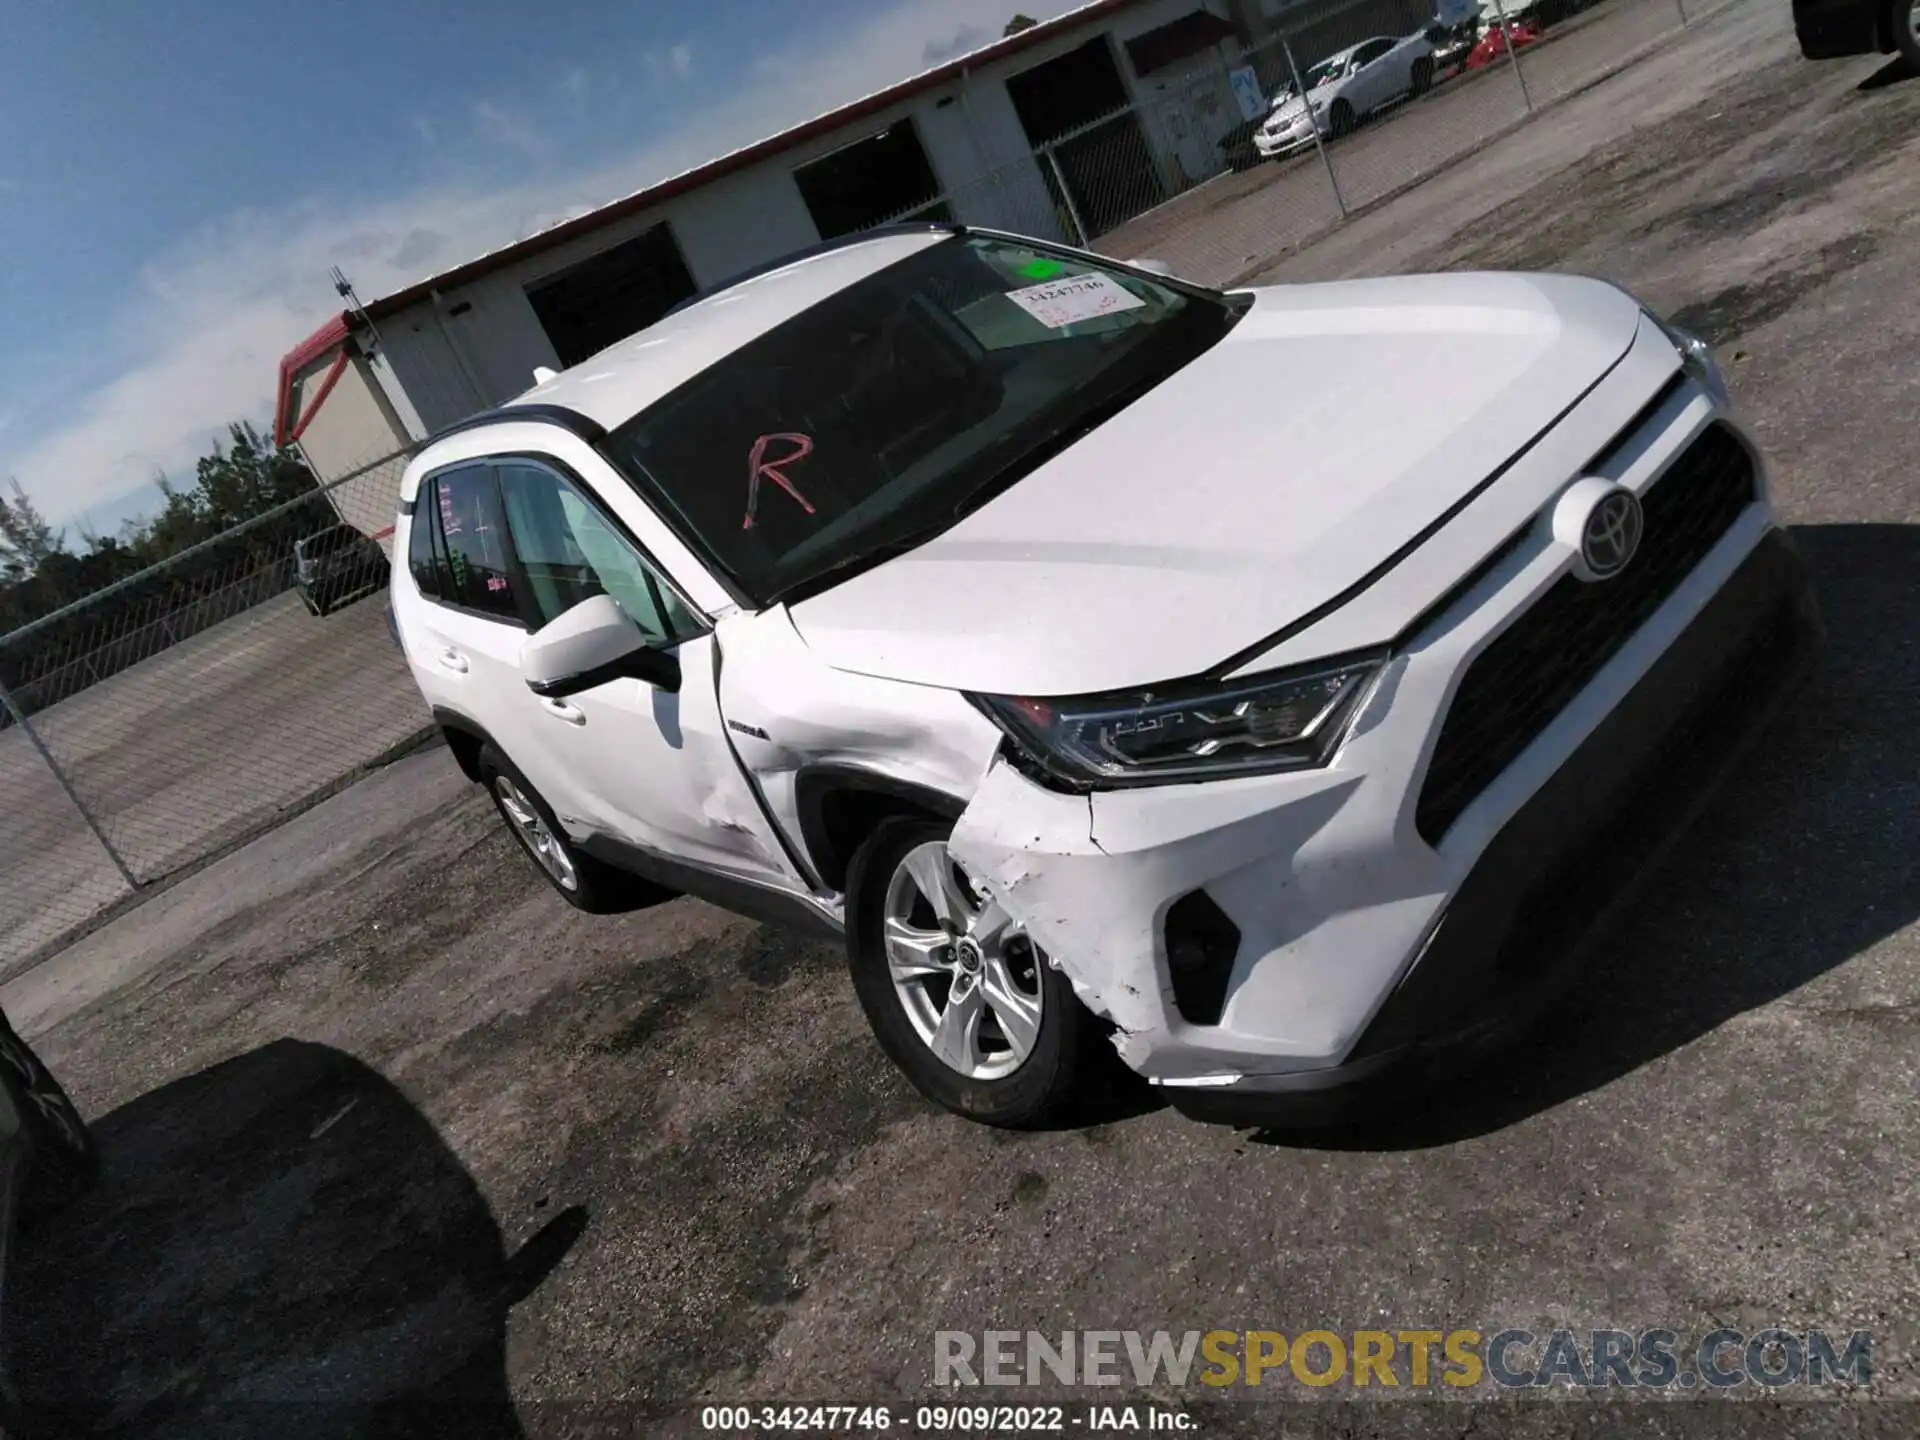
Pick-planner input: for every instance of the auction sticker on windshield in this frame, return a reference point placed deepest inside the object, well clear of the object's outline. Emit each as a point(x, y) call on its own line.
point(1058, 303)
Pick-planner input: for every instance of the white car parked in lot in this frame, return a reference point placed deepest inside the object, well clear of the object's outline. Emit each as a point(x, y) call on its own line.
point(1083, 647)
point(1344, 88)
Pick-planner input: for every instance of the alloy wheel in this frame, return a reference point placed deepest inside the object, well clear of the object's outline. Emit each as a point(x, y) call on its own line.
point(532, 833)
point(967, 977)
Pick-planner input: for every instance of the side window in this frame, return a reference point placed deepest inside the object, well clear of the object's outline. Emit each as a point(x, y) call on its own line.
point(569, 551)
point(1373, 50)
point(421, 559)
point(472, 556)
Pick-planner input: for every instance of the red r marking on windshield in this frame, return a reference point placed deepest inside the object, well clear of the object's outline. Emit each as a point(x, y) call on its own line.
point(758, 465)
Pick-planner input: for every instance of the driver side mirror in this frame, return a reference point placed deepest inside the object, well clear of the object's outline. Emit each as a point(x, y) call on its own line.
point(593, 643)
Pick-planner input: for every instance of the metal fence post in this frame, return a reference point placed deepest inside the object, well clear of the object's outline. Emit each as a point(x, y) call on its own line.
point(1506, 41)
point(33, 738)
point(1300, 89)
point(1084, 240)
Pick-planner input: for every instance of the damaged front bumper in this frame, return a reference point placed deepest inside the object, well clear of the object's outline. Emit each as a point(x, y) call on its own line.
point(1355, 951)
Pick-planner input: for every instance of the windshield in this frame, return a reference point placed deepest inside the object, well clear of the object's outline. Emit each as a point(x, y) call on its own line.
point(877, 417)
point(1327, 70)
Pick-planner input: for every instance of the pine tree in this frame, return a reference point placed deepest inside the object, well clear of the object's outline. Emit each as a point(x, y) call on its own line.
point(27, 541)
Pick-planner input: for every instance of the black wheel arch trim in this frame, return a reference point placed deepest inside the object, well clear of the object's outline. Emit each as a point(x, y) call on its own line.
point(815, 785)
point(453, 720)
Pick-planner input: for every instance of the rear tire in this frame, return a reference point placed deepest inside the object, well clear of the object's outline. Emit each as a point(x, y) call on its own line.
point(1422, 76)
point(1028, 1073)
point(1905, 24)
point(582, 881)
point(64, 1161)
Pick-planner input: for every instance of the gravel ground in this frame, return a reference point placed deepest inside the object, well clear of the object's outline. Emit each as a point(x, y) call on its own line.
point(385, 1121)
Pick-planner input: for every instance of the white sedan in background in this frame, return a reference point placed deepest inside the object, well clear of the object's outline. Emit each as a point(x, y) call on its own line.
point(1344, 87)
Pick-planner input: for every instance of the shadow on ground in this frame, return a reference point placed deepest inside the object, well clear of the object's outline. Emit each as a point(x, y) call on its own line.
point(280, 1245)
point(1892, 73)
point(1809, 856)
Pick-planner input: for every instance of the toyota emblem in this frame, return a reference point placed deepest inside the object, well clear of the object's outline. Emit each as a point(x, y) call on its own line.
point(1611, 534)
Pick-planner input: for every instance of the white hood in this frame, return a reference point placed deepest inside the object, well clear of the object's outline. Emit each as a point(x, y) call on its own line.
point(1329, 427)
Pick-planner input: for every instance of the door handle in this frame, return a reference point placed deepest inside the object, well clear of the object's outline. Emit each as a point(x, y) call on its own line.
point(453, 660)
point(560, 710)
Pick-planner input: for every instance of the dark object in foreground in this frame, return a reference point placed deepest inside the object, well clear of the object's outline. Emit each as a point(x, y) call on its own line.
point(1833, 29)
point(281, 1244)
point(47, 1160)
point(47, 1145)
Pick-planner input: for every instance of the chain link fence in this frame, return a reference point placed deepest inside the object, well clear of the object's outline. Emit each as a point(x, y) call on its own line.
point(1391, 96)
point(158, 721)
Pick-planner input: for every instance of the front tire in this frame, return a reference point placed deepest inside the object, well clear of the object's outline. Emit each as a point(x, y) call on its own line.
point(960, 999)
point(63, 1162)
point(1340, 119)
point(579, 879)
point(1905, 25)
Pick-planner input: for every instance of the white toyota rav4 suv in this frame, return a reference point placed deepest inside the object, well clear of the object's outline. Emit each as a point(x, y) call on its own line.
point(1279, 685)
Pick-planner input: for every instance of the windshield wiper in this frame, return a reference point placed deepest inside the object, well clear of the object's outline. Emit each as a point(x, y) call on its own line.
point(865, 558)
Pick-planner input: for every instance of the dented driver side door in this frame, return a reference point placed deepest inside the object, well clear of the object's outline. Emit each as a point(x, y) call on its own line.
point(649, 767)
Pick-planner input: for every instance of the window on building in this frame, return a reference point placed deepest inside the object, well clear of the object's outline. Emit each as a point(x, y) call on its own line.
point(871, 181)
point(1105, 161)
point(611, 295)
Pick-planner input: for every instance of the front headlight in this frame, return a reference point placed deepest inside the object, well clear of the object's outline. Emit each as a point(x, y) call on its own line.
point(1292, 720)
point(1698, 360)
point(1696, 355)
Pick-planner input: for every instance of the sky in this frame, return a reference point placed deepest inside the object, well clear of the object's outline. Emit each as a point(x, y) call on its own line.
point(175, 180)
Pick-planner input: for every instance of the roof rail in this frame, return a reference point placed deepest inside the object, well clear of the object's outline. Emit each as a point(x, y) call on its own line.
point(825, 247)
point(572, 421)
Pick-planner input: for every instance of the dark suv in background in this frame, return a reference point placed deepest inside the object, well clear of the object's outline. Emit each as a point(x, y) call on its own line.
point(336, 566)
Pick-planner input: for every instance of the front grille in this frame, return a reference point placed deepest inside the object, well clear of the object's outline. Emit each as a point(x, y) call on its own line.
point(1527, 676)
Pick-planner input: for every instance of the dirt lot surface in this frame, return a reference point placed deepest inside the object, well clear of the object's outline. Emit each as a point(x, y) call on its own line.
point(1216, 231)
point(386, 1124)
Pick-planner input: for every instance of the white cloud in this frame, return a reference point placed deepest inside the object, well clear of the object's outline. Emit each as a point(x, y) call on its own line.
point(498, 126)
point(675, 62)
point(967, 37)
point(210, 319)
